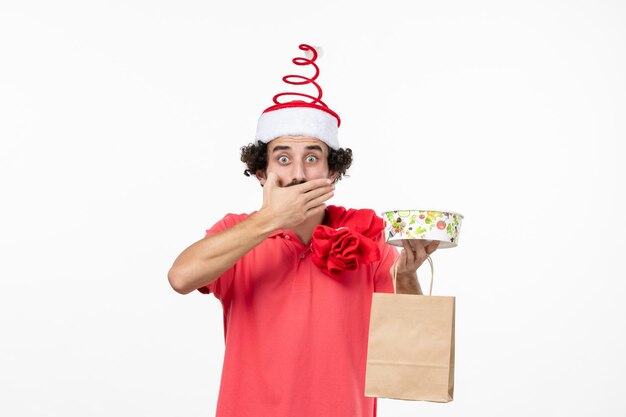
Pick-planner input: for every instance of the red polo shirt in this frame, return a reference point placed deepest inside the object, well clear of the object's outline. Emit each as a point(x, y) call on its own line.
point(296, 339)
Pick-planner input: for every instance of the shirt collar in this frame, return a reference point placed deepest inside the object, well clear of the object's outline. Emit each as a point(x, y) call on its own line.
point(278, 232)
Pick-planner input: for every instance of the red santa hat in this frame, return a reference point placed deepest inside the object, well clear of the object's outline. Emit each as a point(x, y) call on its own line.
point(298, 117)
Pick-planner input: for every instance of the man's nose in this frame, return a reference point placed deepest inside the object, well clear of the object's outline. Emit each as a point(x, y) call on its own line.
point(298, 171)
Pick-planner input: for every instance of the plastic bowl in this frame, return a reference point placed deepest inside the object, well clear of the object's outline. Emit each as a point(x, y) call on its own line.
point(427, 225)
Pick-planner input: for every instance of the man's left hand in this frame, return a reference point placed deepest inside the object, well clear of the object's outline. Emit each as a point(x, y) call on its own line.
point(413, 256)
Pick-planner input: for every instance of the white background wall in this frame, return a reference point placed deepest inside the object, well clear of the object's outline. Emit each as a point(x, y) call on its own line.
point(120, 127)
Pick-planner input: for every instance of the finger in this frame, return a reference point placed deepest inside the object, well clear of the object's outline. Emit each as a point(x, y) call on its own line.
point(319, 200)
point(272, 179)
point(402, 260)
point(420, 250)
point(410, 255)
point(432, 247)
point(313, 211)
point(418, 253)
point(311, 185)
point(315, 194)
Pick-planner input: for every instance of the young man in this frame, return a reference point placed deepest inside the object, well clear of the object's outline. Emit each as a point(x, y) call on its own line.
point(295, 278)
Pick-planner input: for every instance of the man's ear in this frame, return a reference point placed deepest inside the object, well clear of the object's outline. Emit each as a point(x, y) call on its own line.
point(261, 175)
point(333, 176)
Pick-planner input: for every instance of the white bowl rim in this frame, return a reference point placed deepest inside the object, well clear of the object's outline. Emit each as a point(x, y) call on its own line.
point(438, 211)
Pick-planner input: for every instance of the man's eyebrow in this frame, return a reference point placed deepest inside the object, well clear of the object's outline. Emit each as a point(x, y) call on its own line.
point(288, 148)
point(281, 148)
point(314, 148)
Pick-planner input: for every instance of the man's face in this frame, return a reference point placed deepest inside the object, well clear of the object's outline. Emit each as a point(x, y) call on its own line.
point(296, 159)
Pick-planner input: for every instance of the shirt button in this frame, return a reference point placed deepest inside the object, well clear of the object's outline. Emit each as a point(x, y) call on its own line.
point(287, 237)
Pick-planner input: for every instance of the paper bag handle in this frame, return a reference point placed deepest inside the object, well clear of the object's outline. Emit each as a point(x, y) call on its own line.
point(394, 271)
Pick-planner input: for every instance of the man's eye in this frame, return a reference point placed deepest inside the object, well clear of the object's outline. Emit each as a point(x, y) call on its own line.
point(283, 159)
point(311, 158)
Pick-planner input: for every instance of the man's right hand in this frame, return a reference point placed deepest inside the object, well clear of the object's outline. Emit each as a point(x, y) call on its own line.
point(292, 205)
point(284, 207)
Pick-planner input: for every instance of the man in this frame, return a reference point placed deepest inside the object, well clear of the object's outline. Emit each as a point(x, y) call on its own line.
point(295, 278)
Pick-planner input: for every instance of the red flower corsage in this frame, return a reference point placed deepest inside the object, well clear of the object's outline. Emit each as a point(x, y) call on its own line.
point(349, 239)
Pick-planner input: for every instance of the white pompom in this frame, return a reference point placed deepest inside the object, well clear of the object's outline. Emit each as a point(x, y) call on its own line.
point(319, 51)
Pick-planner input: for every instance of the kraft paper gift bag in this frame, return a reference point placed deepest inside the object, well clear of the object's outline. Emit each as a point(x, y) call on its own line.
point(410, 353)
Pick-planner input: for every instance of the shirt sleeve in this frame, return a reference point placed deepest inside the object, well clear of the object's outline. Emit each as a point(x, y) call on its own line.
point(382, 276)
point(222, 285)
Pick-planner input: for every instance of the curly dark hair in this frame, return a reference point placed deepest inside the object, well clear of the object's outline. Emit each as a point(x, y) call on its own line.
point(255, 158)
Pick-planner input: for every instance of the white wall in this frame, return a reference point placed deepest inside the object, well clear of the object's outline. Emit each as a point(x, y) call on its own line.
point(120, 127)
